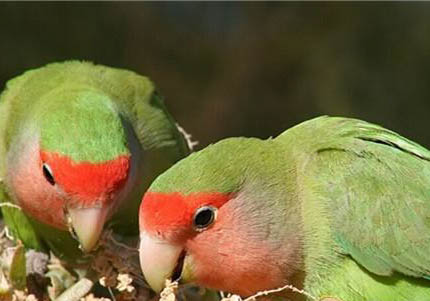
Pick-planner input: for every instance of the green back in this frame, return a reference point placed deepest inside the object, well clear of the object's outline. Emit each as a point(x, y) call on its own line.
point(365, 193)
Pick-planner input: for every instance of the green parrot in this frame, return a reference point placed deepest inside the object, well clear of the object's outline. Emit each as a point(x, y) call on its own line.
point(79, 144)
point(338, 208)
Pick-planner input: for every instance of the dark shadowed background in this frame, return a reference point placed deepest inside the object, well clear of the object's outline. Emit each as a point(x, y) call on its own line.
point(252, 69)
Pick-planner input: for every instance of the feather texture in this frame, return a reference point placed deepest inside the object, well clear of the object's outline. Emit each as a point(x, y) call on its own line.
point(343, 204)
point(103, 125)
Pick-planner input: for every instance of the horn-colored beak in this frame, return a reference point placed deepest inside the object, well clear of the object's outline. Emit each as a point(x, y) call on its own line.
point(88, 225)
point(158, 260)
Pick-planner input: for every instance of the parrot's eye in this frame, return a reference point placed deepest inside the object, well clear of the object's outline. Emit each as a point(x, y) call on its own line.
point(204, 217)
point(47, 173)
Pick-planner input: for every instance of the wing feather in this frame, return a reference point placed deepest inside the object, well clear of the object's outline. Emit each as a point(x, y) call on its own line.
point(376, 186)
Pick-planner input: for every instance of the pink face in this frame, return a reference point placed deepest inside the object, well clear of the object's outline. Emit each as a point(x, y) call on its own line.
point(225, 253)
point(46, 184)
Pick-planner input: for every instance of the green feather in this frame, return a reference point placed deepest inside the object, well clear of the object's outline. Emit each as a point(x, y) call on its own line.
point(91, 113)
point(62, 92)
point(356, 196)
point(18, 223)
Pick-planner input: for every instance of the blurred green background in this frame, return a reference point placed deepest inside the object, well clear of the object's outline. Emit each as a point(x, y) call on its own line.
point(252, 69)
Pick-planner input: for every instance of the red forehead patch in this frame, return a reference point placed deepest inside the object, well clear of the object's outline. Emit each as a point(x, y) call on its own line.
point(92, 182)
point(163, 211)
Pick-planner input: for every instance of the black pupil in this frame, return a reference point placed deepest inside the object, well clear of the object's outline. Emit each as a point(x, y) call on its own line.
point(204, 217)
point(48, 175)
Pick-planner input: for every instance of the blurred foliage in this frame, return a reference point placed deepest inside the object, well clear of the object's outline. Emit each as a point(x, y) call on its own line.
point(253, 69)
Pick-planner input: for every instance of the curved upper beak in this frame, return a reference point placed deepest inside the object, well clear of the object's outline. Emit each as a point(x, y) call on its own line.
point(88, 225)
point(158, 260)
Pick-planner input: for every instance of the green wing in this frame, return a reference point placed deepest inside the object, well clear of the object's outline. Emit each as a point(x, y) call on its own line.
point(376, 188)
point(17, 222)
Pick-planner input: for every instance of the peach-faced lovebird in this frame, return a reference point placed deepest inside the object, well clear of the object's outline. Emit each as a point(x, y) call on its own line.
point(78, 143)
point(336, 207)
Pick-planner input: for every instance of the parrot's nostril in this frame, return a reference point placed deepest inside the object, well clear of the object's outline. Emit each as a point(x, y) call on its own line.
point(177, 272)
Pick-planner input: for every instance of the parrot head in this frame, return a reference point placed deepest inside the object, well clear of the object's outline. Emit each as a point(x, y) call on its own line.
point(73, 162)
point(216, 219)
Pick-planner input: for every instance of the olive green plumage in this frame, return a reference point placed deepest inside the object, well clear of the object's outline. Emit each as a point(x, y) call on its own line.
point(365, 193)
point(354, 195)
point(89, 113)
point(50, 89)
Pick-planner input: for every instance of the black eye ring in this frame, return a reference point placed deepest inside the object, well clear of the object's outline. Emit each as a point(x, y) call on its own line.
point(47, 173)
point(204, 217)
